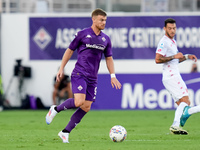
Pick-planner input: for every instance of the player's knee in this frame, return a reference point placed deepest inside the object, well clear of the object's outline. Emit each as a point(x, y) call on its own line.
point(86, 107)
point(186, 100)
point(79, 102)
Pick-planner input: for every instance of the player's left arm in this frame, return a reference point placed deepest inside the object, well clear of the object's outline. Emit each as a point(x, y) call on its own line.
point(110, 65)
point(188, 56)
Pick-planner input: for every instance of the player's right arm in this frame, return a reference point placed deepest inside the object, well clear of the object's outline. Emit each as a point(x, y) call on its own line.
point(162, 59)
point(67, 55)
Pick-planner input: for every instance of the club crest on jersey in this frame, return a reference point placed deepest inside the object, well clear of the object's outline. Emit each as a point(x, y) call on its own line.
point(42, 38)
point(80, 87)
point(103, 39)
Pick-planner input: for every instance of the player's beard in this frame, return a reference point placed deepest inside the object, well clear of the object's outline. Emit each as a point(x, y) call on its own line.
point(171, 37)
point(100, 27)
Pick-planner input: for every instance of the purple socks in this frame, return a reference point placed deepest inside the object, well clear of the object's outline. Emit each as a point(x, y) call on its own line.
point(75, 119)
point(67, 104)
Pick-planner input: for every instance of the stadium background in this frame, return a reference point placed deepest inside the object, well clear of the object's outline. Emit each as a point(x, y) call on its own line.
point(141, 77)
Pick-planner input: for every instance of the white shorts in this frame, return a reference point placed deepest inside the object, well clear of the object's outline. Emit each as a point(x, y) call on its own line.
point(176, 87)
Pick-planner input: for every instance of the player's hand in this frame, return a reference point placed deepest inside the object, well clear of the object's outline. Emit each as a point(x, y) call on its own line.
point(179, 55)
point(192, 57)
point(59, 75)
point(115, 83)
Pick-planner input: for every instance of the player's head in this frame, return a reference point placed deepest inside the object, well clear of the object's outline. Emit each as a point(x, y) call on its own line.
point(170, 27)
point(98, 11)
point(169, 20)
point(99, 17)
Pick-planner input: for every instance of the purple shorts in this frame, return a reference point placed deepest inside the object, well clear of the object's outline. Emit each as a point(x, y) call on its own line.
point(81, 84)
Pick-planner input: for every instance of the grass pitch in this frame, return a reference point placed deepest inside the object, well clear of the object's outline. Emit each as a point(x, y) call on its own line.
point(146, 130)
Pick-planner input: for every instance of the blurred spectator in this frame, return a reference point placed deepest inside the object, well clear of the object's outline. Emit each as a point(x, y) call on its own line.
point(194, 68)
point(62, 90)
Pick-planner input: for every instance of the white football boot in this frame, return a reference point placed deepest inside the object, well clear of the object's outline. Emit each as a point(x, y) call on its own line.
point(51, 114)
point(64, 136)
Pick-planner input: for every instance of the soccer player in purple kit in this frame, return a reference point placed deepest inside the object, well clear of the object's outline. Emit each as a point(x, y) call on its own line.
point(91, 43)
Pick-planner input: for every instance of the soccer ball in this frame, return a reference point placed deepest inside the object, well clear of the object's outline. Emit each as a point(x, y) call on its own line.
point(118, 133)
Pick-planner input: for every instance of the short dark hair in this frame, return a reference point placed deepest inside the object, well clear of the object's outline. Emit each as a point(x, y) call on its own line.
point(99, 11)
point(169, 20)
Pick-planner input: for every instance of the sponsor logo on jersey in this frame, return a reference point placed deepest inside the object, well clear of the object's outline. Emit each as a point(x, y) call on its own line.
point(42, 38)
point(96, 46)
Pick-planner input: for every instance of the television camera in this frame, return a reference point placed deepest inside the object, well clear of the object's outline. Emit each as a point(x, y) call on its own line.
point(22, 71)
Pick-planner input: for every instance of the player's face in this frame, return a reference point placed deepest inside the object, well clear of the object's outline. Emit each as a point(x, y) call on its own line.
point(170, 30)
point(100, 21)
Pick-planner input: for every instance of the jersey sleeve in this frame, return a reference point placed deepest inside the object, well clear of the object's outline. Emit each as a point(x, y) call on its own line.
point(161, 48)
point(76, 41)
point(108, 50)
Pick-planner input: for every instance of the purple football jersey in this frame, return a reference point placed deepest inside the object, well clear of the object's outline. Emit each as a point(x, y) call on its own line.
point(90, 48)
